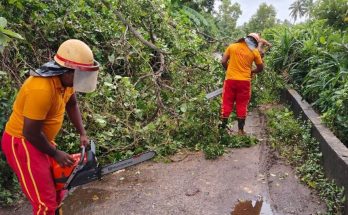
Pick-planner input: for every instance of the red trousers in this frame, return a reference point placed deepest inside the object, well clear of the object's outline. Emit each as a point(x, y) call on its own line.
point(235, 92)
point(33, 170)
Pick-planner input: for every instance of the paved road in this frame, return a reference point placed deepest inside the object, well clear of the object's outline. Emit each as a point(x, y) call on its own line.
point(194, 185)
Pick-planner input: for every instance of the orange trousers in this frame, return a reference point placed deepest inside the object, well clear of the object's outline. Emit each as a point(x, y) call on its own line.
point(235, 93)
point(34, 172)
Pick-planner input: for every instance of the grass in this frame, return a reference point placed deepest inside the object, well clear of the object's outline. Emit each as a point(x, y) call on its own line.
point(292, 139)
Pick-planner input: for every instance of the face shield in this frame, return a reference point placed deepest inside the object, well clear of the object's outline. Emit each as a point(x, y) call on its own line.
point(85, 78)
point(85, 74)
point(251, 43)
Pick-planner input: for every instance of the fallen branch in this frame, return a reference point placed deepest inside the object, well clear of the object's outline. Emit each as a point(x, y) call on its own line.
point(134, 31)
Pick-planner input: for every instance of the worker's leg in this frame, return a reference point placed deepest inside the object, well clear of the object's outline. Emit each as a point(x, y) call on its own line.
point(242, 102)
point(33, 171)
point(228, 99)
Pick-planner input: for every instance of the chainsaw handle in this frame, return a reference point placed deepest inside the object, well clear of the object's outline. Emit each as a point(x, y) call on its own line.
point(83, 152)
point(92, 146)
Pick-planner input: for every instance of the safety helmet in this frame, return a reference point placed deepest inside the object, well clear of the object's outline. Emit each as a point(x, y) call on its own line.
point(75, 54)
point(255, 36)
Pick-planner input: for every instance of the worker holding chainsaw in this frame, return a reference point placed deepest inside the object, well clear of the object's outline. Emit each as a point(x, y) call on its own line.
point(37, 117)
point(237, 60)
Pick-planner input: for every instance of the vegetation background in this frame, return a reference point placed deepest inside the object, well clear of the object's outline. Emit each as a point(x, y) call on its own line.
point(158, 64)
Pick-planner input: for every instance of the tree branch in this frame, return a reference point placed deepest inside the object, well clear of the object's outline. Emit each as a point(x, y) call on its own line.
point(133, 30)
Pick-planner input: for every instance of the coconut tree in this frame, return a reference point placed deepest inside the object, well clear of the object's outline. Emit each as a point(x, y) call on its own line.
point(300, 8)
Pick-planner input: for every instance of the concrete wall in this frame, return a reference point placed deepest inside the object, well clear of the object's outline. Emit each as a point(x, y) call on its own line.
point(335, 153)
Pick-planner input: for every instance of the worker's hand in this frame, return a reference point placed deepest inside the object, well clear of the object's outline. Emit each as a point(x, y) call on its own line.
point(84, 141)
point(63, 159)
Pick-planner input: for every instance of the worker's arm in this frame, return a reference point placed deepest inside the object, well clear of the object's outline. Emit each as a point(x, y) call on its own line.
point(258, 69)
point(32, 131)
point(265, 42)
point(73, 110)
point(259, 63)
point(224, 60)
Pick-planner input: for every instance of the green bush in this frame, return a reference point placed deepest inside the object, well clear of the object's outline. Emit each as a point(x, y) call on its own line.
point(334, 12)
point(312, 58)
point(293, 141)
point(9, 187)
point(8, 181)
point(213, 151)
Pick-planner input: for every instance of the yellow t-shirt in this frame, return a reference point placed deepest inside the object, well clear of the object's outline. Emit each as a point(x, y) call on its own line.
point(240, 61)
point(43, 99)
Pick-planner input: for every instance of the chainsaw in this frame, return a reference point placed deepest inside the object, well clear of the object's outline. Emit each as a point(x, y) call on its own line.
point(87, 169)
point(213, 94)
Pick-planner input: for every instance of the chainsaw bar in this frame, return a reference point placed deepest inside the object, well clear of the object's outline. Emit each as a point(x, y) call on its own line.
point(94, 172)
point(213, 94)
point(128, 162)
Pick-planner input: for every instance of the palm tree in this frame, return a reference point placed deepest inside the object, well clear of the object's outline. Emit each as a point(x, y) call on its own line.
point(300, 8)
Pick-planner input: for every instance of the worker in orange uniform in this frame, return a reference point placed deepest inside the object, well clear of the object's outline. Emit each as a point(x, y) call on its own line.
point(237, 60)
point(38, 112)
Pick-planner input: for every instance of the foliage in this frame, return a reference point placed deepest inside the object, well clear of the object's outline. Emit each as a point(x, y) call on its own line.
point(293, 141)
point(198, 5)
point(301, 8)
point(9, 187)
point(7, 94)
point(334, 12)
point(266, 87)
point(8, 182)
point(213, 151)
point(264, 18)
point(227, 17)
point(6, 35)
point(313, 60)
point(154, 98)
point(239, 141)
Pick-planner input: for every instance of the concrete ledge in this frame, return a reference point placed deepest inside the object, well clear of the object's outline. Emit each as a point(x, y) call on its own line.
point(335, 153)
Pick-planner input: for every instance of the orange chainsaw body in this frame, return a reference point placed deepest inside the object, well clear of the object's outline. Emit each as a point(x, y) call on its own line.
point(61, 174)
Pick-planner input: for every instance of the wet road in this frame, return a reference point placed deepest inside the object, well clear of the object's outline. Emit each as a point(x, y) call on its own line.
point(193, 185)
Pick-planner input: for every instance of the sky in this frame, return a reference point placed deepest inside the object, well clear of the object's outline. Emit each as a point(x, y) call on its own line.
point(249, 8)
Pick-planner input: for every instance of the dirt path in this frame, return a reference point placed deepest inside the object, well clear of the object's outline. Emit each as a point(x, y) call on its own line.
point(194, 185)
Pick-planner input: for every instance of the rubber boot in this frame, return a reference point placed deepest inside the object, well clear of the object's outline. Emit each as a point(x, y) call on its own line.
point(223, 123)
point(59, 211)
point(222, 130)
point(241, 123)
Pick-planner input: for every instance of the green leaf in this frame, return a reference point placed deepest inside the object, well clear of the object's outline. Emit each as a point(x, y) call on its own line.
point(118, 77)
point(11, 34)
point(111, 58)
point(101, 122)
point(3, 22)
point(183, 107)
point(322, 40)
point(312, 184)
point(4, 39)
